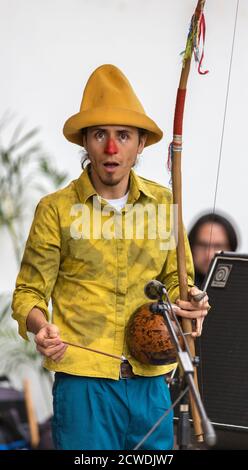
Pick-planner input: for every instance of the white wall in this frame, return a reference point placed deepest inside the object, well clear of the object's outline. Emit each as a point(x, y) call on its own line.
point(48, 49)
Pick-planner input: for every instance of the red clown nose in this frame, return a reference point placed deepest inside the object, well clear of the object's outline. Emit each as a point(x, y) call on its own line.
point(111, 147)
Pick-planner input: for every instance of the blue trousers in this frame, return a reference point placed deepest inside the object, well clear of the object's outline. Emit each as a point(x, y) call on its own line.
point(105, 414)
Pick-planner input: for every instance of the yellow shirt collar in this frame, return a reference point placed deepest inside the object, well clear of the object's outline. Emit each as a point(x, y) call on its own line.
point(85, 188)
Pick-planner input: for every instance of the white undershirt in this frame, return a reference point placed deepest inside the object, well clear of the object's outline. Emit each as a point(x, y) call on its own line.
point(118, 204)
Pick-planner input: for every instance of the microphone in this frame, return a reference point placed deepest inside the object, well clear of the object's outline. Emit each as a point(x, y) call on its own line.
point(154, 289)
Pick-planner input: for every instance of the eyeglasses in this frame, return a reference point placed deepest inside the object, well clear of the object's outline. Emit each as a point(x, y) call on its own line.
point(211, 246)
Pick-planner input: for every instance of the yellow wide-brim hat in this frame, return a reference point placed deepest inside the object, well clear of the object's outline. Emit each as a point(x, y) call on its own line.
point(109, 99)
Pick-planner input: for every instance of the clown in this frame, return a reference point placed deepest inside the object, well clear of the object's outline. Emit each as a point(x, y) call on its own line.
point(95, 276)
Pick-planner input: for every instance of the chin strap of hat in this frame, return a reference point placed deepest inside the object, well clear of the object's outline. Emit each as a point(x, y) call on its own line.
point(196, 37)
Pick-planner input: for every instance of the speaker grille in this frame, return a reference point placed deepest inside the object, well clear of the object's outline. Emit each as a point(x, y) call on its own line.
point(223, 346)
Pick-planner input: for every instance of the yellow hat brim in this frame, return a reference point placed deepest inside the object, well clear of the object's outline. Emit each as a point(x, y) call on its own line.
point(110, 116)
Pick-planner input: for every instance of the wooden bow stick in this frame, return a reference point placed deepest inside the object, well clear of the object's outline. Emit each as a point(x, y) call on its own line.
point(197, 31)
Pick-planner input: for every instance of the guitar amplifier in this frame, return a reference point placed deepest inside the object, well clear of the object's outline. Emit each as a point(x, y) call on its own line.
point(223, 350)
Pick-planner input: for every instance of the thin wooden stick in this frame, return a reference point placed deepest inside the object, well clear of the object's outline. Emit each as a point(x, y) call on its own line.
point(177, 200)
point(120, 358)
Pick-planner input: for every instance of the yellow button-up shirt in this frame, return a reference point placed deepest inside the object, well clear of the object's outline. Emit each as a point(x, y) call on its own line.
point(93, 263)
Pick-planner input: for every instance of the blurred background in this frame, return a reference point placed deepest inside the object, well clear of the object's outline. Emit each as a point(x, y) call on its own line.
point(48, 50)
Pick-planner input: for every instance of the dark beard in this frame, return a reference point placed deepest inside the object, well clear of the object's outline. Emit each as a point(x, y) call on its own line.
point(109, 182)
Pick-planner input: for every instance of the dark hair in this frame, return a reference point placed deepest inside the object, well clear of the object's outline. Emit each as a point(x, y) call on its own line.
point(216, 219)
point(141, 132)
point(85, 156)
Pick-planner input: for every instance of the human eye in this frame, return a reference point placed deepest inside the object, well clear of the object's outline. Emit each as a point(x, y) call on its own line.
point(123, 136)
point(99, 135)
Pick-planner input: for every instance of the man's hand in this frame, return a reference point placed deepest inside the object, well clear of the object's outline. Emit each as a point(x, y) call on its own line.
point(195, 310)
point(48, 342)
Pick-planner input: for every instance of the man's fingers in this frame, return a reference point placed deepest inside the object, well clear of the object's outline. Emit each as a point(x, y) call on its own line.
point(196, 295)
point(199, 297)
point(51, 351)
point(185, 305)
point(200, 302)
point(194, 290)
point(190, 313)
point(47, 343)
point(48, 331)
point(48, 336)
point(198, 327)
point(57, 357)
point(196, 308)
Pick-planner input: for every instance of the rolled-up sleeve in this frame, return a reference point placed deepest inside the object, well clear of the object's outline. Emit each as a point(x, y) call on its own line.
point(39, 266)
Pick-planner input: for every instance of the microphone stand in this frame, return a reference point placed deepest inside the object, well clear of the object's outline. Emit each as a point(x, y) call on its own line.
point(186, 363)
point(183, 425)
